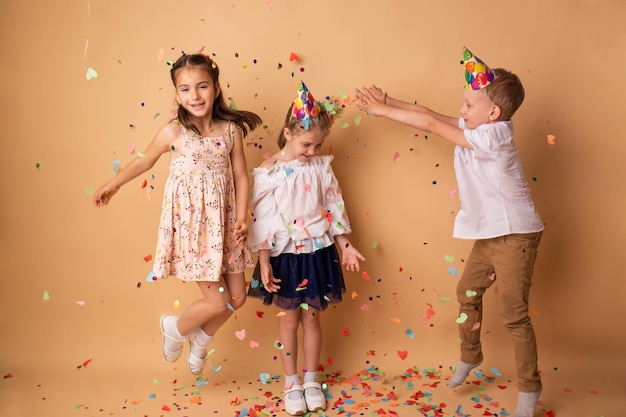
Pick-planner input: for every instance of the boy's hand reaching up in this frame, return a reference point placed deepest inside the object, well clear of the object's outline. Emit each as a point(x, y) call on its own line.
point(371, 99)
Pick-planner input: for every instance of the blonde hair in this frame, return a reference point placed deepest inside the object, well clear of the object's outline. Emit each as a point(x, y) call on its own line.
point(322, 121)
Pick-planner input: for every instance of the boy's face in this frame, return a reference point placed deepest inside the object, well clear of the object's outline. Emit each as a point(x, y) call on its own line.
point(478, 109)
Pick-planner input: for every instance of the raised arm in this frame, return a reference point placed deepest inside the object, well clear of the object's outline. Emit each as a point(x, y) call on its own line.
point(375, 102)
point(159, 145)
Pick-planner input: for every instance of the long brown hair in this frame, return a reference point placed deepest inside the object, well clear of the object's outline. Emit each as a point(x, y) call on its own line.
point(246, 120)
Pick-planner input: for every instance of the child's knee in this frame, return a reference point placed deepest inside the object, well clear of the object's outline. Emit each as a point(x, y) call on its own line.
point(238, 302)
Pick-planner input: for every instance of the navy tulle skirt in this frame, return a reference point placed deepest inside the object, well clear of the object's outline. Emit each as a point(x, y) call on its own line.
point(314, 279)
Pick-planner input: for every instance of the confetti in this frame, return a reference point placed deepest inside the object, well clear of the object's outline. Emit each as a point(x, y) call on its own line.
point(91, 74)
point(462, 318)
point(240, 334)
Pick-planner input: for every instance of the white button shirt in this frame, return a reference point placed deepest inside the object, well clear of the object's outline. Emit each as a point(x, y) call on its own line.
point(495, 197)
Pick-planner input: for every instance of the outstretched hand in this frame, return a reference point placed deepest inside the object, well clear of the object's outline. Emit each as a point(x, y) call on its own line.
point(350, 258)
point(371, 99)
point(104, 195)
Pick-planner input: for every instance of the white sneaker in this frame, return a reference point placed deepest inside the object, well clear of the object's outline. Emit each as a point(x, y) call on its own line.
point(196, 359)
point(172, 339)
point(294, 400)
point(314, 402)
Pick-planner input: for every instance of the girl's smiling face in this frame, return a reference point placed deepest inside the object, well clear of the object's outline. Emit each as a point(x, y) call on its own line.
point(195, 91)
point(304, 144)
point(478, 109)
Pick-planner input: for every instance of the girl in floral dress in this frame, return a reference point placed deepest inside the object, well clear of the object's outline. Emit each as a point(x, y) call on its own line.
point(202, 231)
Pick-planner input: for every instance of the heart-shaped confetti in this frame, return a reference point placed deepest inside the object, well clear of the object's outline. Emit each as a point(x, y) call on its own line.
point(403, 354)
point(462, 318)
point(91, 74)
point(264, 378)
point(241, 334)
point(470, 293)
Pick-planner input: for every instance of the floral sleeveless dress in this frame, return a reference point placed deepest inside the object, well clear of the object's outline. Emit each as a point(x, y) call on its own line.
point(196, 232)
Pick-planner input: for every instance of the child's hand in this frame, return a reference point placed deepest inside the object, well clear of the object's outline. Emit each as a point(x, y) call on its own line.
point(104, 195)
point(270, 282)
point(350, 258)
point(371, 100)
point(241, 234)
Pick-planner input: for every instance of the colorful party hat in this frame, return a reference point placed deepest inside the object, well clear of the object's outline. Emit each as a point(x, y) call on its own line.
point(477, 74)
point(304, 106)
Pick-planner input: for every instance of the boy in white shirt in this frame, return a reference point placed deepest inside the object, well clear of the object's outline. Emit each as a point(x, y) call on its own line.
point(496, 209)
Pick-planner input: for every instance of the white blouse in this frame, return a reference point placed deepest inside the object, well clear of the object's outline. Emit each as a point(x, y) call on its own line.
point(297, 207)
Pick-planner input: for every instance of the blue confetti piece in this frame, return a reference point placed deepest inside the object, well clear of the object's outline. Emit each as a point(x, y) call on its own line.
point(409, 333)
point(496, 372)
point(151, 277)
point(479, 373)
point(254, 283)
point(288, 171)
point(452, 270)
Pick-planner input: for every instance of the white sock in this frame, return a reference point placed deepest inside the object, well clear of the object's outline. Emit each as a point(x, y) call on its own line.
point(462, 371)
point(311, 377)
point(199, 342)
point(526, 404)
point(290, 381)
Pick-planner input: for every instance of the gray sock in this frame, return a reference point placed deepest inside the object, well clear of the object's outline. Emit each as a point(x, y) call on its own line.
point(526, 404)
point(462, 371)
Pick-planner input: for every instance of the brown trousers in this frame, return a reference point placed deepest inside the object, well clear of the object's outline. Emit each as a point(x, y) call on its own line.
point(511, 258)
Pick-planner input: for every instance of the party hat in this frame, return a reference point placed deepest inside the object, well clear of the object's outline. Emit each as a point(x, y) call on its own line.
point(477, 74)
point(304, 106)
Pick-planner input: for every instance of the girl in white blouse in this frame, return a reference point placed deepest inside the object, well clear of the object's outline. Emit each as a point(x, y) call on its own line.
point(298, 214)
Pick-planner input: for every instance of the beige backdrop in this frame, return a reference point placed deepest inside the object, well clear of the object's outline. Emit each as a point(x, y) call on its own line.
point(85, 80)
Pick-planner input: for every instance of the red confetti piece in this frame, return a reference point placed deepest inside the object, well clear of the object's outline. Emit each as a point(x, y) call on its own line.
point(345, 331)
point(144, 184)
point(403, 354)
point(293, 57)
point(366, 276)
point(502, 386)
point(550, 413)
point(303, 283)
point(165, 408)
point(8, 376)
point(87, 362)
point(147, 258)
point(260, 314)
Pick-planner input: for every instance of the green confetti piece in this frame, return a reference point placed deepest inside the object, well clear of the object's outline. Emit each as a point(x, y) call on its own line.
point(357, 120)
point(304, 306)
point(449, 258)
point(141, 154)
point(444, 299)
point(232, 105)
point(462, 318)
point(46, 296)
point(470, 293)
point(374, 244)
point(90, 191)
point(344, 125)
